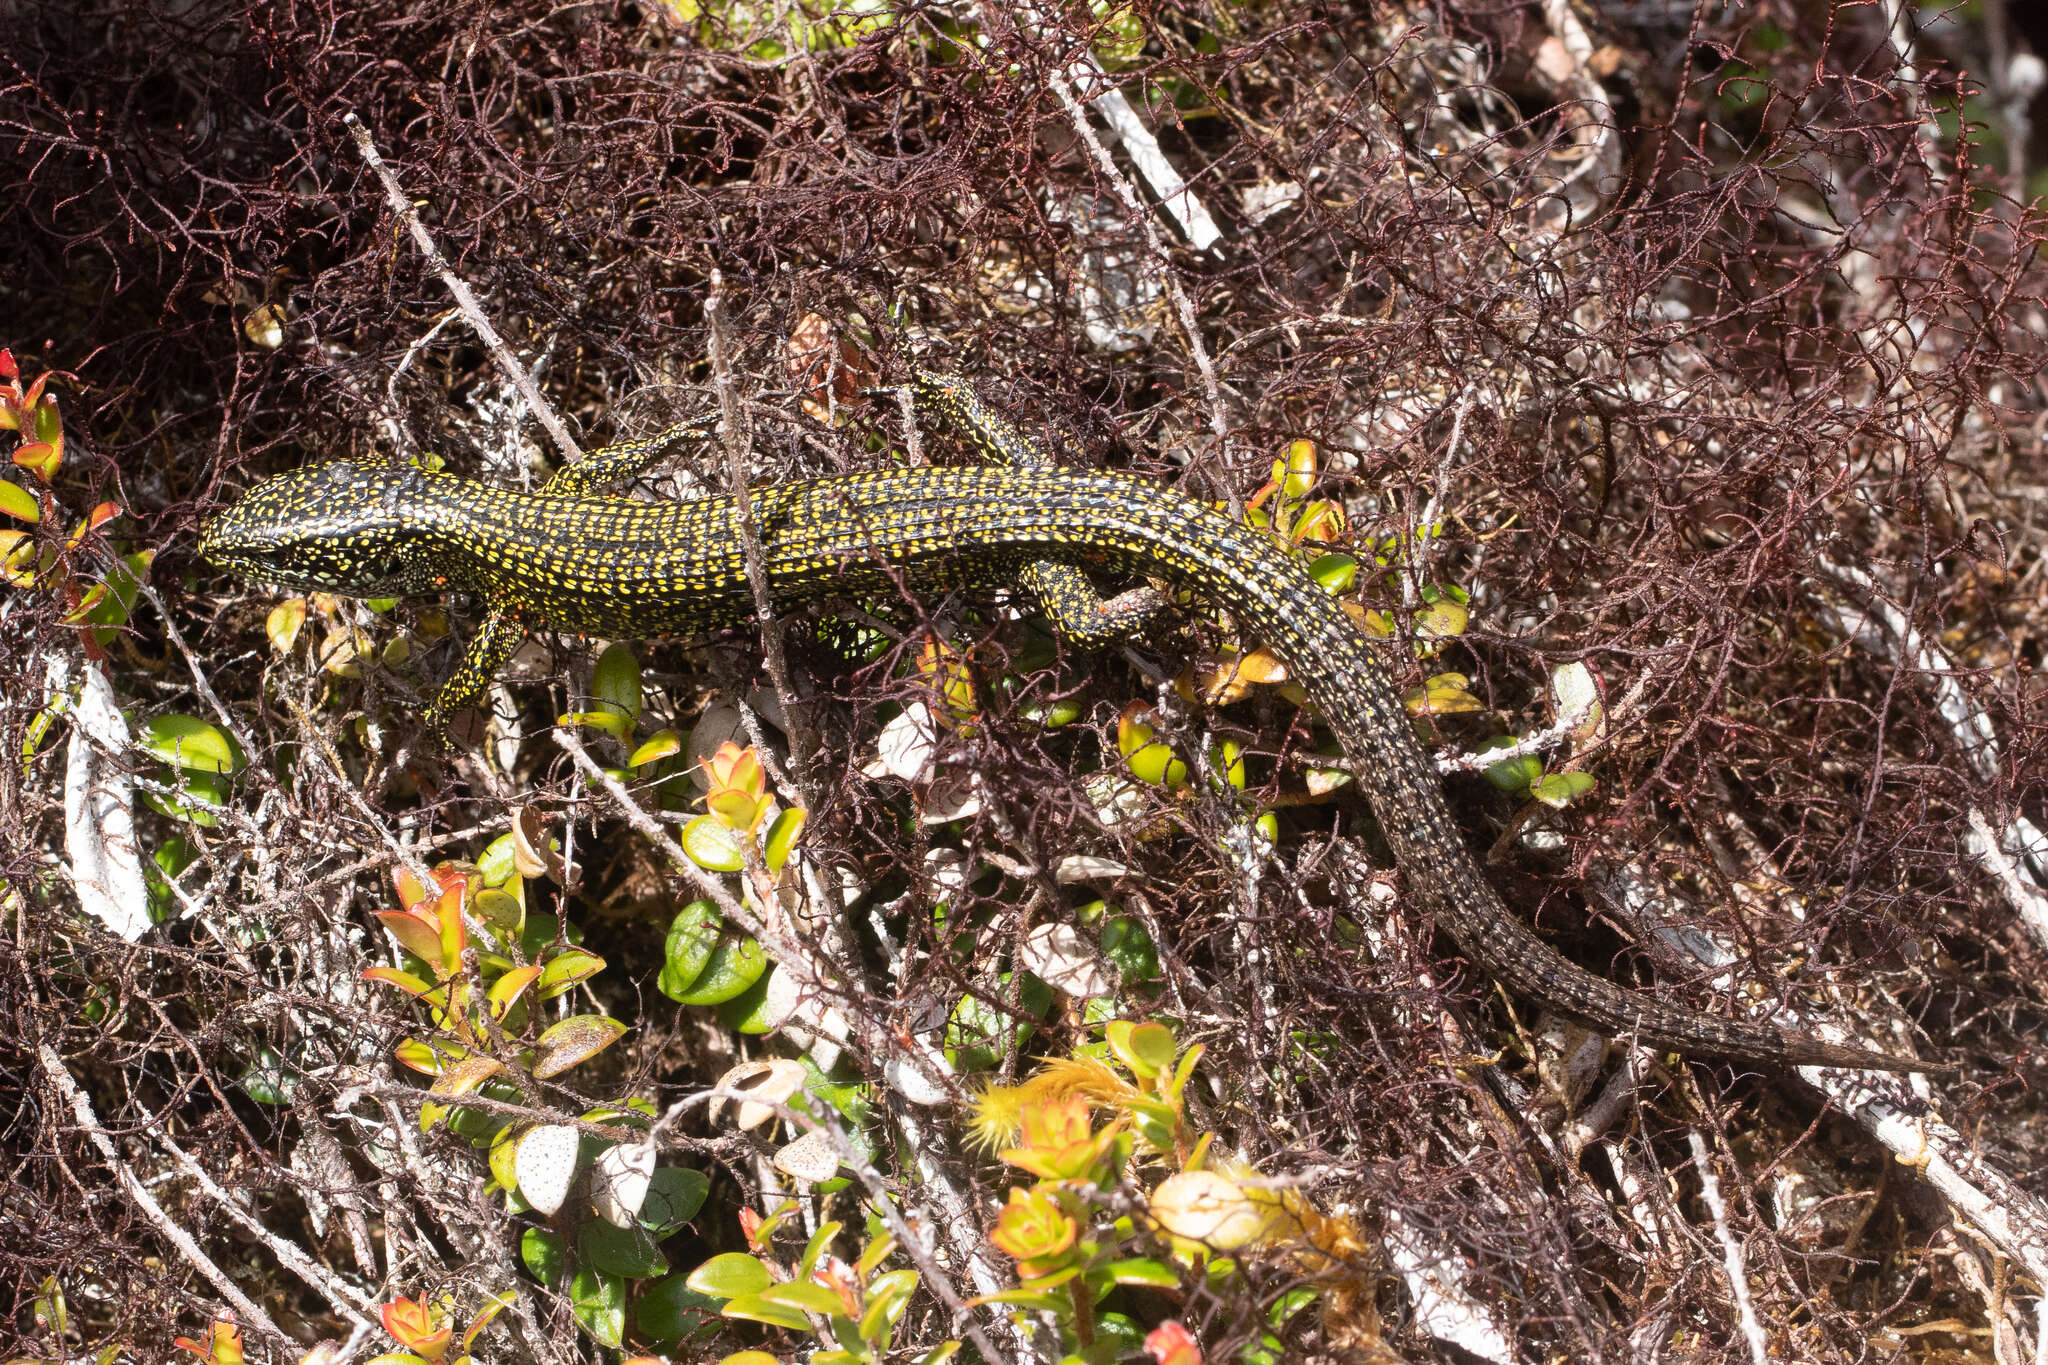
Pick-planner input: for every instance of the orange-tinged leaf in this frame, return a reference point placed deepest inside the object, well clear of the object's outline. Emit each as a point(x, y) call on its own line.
point(465, 1076)
point(417, 933)
point(413, 1325)
point(508, 987)
point(42, 457)
point(410, 890)
point(454, 935)
point(98, 517)
point(394, 976)
point(1321, 520)
point(736, 809)
point(430, 1058)
point(572, 1041)
point(1170, 1343)
point(222, 1344)
point(662, 744)
point(1232, 677)
point(86, 604)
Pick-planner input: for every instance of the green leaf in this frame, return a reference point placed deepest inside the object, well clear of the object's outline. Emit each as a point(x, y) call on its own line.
point(1561, 789)
point(199, 796)
point(775, 849)
point(974, 1037)
point(615, 682)
point(17, 501)
point(671, 1311)
point(1130, 949)
point(1147, 1049)
point(1290, 1303)
point(692, 934)
point(609, 721)
point(500, 911)
point(814, 1297)
point(754, 1308)
point(730, 1275)
point(190, 743)
point(169, 859)
point(747, 1012)
point(268, 1079)
point(888, 1295)
point(1037, 1300)
point(1145, 1271)
point(662, 744)
point(599, 1304)
point(820, 1242)
point(620, 1251)
point(124, 580)
point(712, 846)
point(566, 968)
point(544, 1253)
point(573, 1041)
point(1154, 1121)
point(1336, 573)
point(1516, 774)
point(736, 963)
point(498, 864)
point(674, 1195)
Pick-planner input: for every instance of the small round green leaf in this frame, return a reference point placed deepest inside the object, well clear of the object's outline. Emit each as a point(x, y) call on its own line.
point(544, 1253)
point(712, 846)
point(599, 1304)
point(1561, 789)
point(620, 1251)
point(692, 934)
point(670, 1310)
point(674, 1195)
point(190, 743)
point(748, 1012)
point(1336, 573)
point(735, 964)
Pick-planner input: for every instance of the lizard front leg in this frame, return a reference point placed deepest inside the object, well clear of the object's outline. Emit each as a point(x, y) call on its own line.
point(486, 657)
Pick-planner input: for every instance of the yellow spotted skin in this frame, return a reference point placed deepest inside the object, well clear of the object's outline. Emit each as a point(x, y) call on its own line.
point(582, 561)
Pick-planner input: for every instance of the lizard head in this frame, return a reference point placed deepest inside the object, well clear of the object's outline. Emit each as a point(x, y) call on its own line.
point(343, 527)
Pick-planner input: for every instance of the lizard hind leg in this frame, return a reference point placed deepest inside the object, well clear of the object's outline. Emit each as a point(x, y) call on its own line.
point(1065, 594)
point(1084, 617)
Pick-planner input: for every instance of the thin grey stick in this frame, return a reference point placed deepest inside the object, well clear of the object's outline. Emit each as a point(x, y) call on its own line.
point(733, 436)
point(81, 1107)
point(515, 373)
